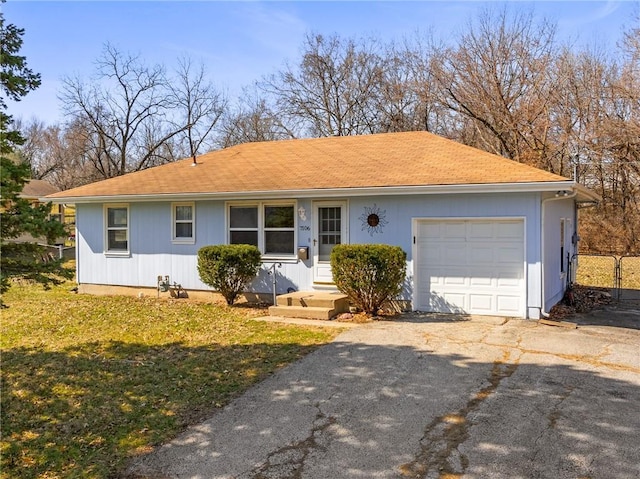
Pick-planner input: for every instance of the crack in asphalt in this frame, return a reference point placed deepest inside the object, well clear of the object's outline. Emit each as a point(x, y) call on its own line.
point(594, 360)
point(553, 416)
point(288, 461)
point(439, 456)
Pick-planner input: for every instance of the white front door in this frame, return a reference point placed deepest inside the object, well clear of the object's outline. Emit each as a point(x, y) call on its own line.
point(330, 228)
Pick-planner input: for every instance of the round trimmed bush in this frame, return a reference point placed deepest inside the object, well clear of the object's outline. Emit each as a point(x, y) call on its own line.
point(370, 274)
point(229, 268)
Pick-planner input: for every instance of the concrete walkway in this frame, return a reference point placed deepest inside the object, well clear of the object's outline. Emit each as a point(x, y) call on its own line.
point(431, 398)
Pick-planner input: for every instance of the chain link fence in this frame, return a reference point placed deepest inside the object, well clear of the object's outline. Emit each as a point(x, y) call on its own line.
point(629, 284)
point(619, 274)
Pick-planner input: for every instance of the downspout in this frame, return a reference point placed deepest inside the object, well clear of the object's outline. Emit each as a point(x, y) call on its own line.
point(559, 196)
point(77, 251)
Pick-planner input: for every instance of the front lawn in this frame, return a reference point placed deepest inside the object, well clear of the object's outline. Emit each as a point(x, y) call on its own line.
point(88, 382)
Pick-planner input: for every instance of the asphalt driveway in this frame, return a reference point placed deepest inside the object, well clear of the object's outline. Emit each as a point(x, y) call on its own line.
point(431, 397)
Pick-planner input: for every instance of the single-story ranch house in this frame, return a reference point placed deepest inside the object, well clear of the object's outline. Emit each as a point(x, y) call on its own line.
point(483, 234)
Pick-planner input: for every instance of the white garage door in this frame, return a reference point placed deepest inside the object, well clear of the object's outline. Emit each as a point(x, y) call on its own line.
point(470, 266)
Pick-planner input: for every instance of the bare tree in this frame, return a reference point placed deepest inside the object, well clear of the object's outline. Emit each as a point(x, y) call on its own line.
point(496, 78)
point(252, 120)
point(134, 111)
point(398, 102)
point(199, 107)
point(596, 132)
point(58, 153)
point(410, 98)
point(332, 92)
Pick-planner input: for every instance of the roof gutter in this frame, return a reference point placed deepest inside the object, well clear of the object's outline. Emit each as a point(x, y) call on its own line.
point(336, 192)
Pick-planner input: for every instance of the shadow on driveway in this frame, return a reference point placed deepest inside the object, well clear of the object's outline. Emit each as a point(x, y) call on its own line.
point(429, 400)
point(623, 313)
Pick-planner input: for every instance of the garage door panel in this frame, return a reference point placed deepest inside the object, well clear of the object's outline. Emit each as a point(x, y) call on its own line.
point(454, 281)
point(425, 233)
point(453, 256)
point(481, 302)
point(481, 230)
point(509, 254)
point(484, 274)
point(478, 281)
point(433, 254)
point(454, 231)
point(481, 254)
point(508, 280)
point(454, 301)
point(510, 230)
point(509, 303)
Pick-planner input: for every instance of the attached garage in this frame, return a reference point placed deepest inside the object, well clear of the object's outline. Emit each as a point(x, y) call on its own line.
point(472, 266)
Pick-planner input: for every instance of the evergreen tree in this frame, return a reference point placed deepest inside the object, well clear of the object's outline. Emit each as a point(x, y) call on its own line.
point(26, 260)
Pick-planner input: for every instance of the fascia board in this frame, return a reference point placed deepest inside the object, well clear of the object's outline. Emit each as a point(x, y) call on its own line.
point(332, 193)
point(586, 195)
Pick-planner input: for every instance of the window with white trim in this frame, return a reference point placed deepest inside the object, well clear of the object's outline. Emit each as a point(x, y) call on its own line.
point(271, 226)
point(183, 222)
point(116, 229)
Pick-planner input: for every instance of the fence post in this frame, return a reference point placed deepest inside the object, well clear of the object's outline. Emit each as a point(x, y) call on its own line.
point(617, 279)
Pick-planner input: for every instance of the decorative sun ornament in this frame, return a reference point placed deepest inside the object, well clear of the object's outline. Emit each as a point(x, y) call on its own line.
point(373, 219)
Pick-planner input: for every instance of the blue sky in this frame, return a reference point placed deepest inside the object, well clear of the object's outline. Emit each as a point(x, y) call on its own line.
point(239, 42)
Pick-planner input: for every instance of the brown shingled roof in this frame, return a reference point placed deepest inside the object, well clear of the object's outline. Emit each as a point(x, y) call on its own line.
point(37, 189)
point(368, 161)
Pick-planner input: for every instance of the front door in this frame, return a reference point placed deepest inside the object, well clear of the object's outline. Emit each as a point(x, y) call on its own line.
point(330, 229)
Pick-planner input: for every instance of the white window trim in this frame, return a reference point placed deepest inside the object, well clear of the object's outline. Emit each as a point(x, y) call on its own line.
point(105, 215)
point(174, 221)
point(261, 228)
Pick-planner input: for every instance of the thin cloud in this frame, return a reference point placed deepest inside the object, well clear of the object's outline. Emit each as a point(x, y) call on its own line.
point(274, 29)
point(601, 13)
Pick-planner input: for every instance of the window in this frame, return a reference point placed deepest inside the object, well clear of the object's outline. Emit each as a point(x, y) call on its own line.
point(279, 230)
point(565, 244)
point(183, 222)
point(243, 225)
point(562, 245)
point(117, 229)
point(269, 226)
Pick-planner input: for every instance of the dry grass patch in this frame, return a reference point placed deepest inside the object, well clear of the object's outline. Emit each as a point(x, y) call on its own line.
point(88, 382)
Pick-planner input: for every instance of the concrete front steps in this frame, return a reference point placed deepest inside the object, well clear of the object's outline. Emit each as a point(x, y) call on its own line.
point(310, 305)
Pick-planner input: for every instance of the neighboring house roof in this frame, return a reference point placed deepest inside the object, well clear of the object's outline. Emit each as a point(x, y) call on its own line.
point(379, 163)
point(35, 189)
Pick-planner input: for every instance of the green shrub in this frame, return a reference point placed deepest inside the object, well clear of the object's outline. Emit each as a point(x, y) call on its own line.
point(228, 268)
point(369, 274)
